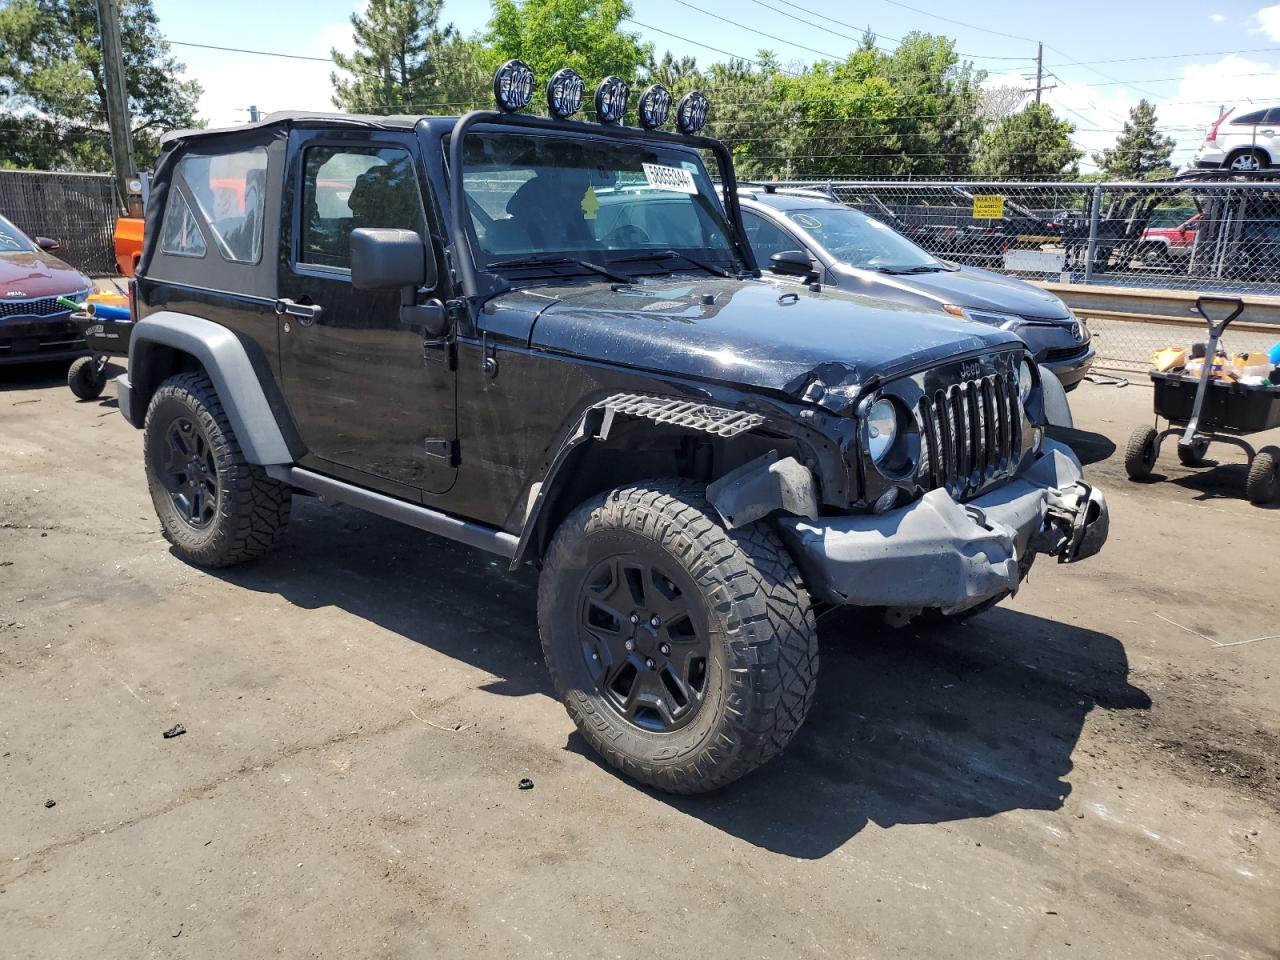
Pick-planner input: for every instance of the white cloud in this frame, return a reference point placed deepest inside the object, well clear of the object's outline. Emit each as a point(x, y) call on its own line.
point(232, 82)
point(1217, 17)
point(1268, 22)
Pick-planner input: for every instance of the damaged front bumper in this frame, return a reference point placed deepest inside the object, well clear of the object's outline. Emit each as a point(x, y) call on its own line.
point(940, 554)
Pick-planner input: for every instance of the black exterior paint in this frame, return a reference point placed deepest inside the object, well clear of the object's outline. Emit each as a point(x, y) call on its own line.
point(359, 394)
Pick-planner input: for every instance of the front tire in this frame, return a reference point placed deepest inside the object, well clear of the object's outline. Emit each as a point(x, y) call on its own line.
point(686, 653)
point(215, 507)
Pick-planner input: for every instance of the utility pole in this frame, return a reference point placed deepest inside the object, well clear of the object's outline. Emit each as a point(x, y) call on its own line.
point(117, 95)
point(1039, 70)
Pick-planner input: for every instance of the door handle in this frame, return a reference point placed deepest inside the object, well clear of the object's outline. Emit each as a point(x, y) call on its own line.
point(307, 313)
point(1268, 133)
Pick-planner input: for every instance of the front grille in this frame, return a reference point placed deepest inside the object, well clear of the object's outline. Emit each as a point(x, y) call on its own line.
point(970, 433)
point(1054, 354)
point(40, 307)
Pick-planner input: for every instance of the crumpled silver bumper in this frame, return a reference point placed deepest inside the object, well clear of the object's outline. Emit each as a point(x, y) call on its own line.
point(937, 553)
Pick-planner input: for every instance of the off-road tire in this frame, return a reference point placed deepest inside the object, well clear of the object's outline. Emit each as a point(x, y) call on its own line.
point(763, 652)
point(1193, 456)
point(84, 379)
point(251, 510)
point(1140, 453)
point(1262, 485)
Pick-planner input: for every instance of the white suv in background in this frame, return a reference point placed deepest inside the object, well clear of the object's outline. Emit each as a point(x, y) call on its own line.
point(1243, 139)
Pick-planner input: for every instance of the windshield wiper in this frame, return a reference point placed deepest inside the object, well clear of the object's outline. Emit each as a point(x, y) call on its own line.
point(558, 261)
point(919, 268)
point(675, 255)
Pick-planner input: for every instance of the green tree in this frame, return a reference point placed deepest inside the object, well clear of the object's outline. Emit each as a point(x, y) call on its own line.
point(586, 35)
point(677, 74)
point(405, 62)
point(1032, 142)
point(53, 90)
point(1141, 151)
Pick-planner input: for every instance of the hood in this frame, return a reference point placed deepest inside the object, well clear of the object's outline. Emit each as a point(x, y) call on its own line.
point(820, 347)
point(25, 275)
point(976, 289)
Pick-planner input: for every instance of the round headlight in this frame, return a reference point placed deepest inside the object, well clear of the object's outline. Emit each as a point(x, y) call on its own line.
point(1026, 381)
point(882, 429)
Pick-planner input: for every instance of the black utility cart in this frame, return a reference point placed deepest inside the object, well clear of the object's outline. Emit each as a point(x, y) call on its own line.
point(106, 338)
point(1204, 410)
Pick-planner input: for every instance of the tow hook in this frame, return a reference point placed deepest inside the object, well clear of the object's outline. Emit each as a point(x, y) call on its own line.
point(1076, 522)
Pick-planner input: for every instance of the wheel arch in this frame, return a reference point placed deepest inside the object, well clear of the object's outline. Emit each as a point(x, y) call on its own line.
point(626, 439)
point(168, 342)
point(1263, 154)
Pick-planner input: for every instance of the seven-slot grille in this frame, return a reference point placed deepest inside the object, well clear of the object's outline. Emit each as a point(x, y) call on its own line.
point(970, 433)
point(39, 307)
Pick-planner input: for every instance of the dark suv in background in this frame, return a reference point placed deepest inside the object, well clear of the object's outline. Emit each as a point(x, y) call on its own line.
point(815, 237)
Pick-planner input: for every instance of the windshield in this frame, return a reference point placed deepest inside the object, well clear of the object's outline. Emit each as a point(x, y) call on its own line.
point(569, 203)
point(852, 237)
point(11, 238)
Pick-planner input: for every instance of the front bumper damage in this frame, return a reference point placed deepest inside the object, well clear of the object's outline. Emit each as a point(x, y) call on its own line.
point(940, 554)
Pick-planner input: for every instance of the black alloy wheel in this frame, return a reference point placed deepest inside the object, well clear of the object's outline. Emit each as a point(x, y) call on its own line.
point(644, 641)
point(190, 472)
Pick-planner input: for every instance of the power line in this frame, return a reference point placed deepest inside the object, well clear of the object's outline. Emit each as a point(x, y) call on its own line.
point(1169, 56)
point(256, 53)
point(960, 23)
point(769, 36)
point(705, 46)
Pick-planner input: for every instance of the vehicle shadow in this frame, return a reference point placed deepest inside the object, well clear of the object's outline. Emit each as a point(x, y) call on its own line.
point(1090, 447)
point(33, 376)
point(910, 726)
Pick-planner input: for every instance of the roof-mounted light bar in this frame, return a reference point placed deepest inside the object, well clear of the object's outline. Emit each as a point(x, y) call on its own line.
point(514, 81)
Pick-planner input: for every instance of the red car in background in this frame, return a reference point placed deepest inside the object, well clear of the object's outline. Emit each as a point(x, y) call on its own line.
point(34, 326)
point(1160, 245)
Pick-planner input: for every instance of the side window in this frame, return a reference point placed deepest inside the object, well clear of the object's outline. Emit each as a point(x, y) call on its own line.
point(345, 188)
point(765, 238)
point(180, 236)
point(1249, 118)
point(1273, 116)
point(229, 193)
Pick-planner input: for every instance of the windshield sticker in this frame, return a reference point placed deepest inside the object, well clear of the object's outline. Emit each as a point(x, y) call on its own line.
point(807, 220)
point(669, 178)
point(590, 203)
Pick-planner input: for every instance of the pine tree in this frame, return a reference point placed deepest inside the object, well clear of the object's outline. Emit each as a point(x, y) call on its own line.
point(1032, 142)
point(405, 62)
point(1141, 151)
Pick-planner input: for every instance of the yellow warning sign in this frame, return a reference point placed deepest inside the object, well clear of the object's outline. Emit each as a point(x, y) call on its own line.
point(988, 206)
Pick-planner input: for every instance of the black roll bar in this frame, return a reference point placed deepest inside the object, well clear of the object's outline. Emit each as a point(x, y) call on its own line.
point(464, 240)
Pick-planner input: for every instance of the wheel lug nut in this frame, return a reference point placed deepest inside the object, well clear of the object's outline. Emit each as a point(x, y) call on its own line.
point(655, 622)
point(635, 618)
point(649, 664)
point(665, 649)
point(630, 645)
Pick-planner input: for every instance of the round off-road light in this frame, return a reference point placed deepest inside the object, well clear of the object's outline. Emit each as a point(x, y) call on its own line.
point(691, 112)
point(565, 91)
point(513, 86)
point(655, 104)
point(882, 429)
point(1026, 382)
point(611, 100)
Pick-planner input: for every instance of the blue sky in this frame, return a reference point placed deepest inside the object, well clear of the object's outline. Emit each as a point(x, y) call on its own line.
point(1236, 47)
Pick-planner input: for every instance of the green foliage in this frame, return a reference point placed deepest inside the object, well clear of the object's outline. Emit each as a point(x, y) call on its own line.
point(1141, 151)
point(1030, 143)
point(53, 92)
point(405, 62)
point(586, 35)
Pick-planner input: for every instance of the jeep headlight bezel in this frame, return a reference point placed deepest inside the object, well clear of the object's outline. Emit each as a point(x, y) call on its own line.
point(881, 427)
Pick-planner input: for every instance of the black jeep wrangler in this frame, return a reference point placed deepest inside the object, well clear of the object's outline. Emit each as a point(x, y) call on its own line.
point(500, 329)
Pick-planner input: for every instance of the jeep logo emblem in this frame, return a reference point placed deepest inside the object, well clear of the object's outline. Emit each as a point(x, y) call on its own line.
point(970, 370)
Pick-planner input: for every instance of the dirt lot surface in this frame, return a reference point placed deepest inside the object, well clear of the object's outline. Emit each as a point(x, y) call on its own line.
point(1071, 775)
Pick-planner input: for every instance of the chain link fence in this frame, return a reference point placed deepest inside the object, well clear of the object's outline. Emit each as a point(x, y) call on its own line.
point(1186, 235)
point(78, 210)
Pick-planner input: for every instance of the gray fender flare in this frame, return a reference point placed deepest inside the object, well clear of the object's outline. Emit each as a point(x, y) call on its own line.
point(229, 368)
point(1057, 412)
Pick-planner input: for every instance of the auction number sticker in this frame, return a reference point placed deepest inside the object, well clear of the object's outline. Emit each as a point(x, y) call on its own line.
point(669, 178)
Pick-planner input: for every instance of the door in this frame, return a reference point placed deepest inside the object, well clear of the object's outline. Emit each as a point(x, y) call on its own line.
point(372, 397)
point(767, 238)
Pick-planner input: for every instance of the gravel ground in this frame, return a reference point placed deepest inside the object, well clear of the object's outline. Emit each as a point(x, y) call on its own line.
point(1071, 775)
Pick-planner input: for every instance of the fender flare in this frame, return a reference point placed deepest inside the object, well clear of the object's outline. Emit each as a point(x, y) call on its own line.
point(1057, 411)
point(224, 359)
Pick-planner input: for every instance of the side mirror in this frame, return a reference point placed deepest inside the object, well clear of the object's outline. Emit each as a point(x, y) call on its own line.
point(44, 243)
point(792, 263)
point(384, 258)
